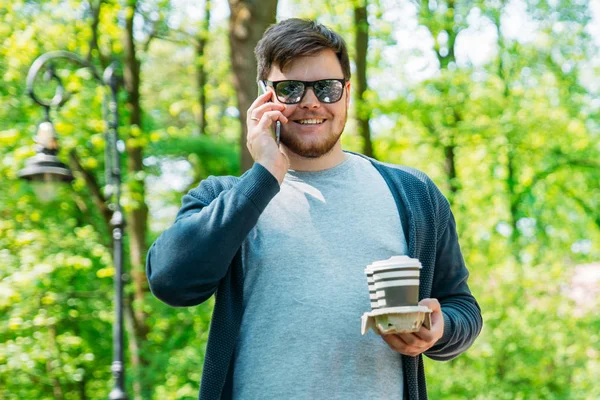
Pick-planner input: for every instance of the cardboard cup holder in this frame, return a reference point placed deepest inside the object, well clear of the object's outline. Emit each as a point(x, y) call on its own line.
point(387, 321)
point(393, 292)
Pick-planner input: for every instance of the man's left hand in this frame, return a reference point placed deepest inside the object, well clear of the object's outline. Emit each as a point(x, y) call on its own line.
point(413, 344)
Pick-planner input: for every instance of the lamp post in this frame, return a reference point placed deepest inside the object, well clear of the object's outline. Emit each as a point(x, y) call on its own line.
point(45, 167)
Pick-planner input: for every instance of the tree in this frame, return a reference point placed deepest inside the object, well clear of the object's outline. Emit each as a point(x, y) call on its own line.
point(247, 22)
point(361, 22)
point(439, 18)
point(201, 42)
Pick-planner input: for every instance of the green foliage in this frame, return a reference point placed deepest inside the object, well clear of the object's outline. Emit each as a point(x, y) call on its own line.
point(536, 343)
point(524, 128)
point(54, 297)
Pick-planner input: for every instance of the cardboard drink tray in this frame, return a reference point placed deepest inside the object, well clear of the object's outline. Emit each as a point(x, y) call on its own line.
point(387, 321)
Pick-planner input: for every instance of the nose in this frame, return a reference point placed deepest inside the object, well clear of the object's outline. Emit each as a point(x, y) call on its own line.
point(310, 100)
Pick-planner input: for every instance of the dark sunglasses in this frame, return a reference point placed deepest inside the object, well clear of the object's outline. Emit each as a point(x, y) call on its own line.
point(292, 92)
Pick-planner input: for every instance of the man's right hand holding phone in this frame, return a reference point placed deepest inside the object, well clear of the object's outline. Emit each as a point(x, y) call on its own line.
point(263, 148)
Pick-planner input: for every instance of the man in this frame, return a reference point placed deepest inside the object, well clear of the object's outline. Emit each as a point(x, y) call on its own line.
point(285, 246)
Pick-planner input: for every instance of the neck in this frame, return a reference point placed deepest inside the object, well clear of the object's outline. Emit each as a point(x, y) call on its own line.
point(332, 159)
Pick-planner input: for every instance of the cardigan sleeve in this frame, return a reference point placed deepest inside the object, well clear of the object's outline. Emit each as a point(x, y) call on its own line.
point(462, 314)
point(186, 263)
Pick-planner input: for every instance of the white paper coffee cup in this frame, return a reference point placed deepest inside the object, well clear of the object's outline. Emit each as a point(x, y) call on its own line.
point(394, 282)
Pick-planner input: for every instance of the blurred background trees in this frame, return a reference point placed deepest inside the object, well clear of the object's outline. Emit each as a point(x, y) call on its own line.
point(498, 101)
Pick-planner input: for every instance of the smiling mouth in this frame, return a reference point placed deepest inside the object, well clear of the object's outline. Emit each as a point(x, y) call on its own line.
point(312, 121)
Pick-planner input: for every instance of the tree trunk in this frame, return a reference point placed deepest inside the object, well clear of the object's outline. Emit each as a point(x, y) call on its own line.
point(445, 60)
point(511, 183)
point(95, 11)
point(247, 22)
point(363, 114)
point(56, 385)
point(450, 168)
point(200, 67)
point(445, 56)
point(134, 346)
point(81, 386)
point(137, 218)
point(511, 168)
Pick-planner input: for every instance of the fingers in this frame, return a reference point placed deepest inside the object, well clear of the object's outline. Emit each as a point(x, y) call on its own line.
point(437, 321)
point(437, 318)
point(399, 344)
point(412, 339)
point(432, 304)
point(261, 104)
point(426, 335)
point(272, 112)
point(260, 141)
point(269, 117)
point(256, 113)
point(413, 344)
point(260, 100)
point(262, 145)
point(394, 341)
point(261, 127)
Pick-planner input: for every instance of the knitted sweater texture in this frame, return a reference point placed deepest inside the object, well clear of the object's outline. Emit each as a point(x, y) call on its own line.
point(199, 255)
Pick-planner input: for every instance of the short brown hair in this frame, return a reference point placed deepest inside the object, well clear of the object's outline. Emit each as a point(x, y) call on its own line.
point(294, 37)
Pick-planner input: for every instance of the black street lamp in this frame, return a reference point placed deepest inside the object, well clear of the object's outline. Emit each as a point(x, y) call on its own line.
point(44, 168)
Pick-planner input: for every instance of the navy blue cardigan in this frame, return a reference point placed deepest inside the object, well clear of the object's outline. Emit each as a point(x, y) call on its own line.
point(199, 255)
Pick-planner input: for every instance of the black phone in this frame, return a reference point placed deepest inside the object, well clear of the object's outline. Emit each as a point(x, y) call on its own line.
point(262, 88)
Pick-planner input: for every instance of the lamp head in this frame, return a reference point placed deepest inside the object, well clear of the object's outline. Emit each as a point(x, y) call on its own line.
point(44, 169)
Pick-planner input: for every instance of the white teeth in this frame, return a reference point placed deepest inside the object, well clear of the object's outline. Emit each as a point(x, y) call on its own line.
point(310, 121)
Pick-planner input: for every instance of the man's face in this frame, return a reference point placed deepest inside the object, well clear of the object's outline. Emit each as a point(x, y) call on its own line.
point(314, 127)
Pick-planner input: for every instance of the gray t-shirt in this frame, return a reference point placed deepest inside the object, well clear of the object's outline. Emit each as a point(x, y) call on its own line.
point(305, 289)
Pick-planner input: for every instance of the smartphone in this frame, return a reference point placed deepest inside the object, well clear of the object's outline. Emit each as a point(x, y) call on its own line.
point(262, 88)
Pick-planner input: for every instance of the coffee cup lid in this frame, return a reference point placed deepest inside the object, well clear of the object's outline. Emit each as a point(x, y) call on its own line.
point(394, 261)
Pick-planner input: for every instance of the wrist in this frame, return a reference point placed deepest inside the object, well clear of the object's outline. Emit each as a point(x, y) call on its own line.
point(277, 168)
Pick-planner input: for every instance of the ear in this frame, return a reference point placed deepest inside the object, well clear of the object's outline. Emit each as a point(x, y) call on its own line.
point(348, 94)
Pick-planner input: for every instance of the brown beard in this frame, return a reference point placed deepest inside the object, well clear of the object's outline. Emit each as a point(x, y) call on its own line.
point(313, 150)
